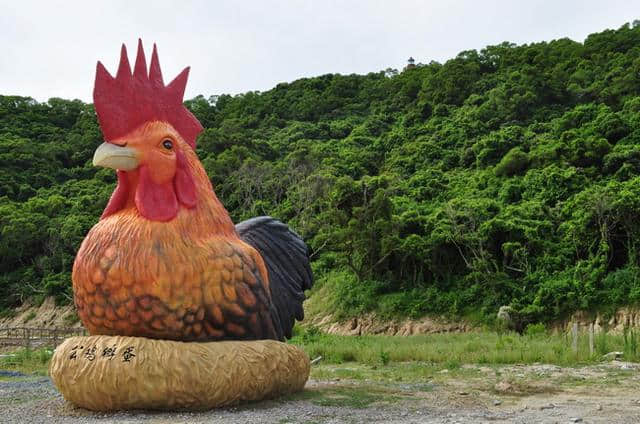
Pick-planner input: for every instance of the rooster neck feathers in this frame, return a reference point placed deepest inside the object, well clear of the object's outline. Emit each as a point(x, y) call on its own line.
point(205, 219)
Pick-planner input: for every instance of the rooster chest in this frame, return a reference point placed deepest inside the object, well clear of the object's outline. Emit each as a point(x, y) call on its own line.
point(217, 294)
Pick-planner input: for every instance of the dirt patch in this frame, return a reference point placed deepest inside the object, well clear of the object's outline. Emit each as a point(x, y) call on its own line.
point(602, 393)
point(626, 317)
point(371, 324)
point(616, 322)
point(46, 315)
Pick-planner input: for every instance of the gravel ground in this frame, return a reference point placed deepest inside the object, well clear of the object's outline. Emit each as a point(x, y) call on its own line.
point(29, 399)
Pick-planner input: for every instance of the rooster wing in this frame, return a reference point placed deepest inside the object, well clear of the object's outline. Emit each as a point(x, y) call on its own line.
point(286, 258)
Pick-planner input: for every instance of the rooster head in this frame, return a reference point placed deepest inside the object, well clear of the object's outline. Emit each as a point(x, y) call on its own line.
point(149, 134)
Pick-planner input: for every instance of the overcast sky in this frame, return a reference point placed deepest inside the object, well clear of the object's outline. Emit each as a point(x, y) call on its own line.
point(50, 48)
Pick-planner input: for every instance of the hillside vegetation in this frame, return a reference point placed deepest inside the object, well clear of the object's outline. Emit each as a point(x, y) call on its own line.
point(509, 175)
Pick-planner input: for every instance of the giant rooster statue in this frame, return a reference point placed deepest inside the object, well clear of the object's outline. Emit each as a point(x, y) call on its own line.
point(165, 260)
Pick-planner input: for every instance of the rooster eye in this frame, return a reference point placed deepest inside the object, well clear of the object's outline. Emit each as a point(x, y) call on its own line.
point(167, 144)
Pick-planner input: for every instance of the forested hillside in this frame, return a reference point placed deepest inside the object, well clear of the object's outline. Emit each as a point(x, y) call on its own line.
point(509, 175)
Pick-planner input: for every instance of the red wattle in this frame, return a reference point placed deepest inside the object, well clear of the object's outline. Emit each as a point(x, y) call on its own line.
point(156, 202)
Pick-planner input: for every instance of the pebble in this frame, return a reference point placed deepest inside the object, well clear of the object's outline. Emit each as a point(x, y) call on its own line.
point(503, 386)
point(599, 407)
point(576, 420)
point(497, 402)
point(612, 356)
point(549, 406)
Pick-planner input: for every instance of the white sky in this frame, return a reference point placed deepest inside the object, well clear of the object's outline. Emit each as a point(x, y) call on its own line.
point(50, 48)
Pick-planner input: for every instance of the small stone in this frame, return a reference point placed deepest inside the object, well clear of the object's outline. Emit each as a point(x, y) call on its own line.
point(575, 420)
point(548, 406)
point(503, 387)
point(463, 393)
point(444, 371)
point(612, 356)
point(497, 402)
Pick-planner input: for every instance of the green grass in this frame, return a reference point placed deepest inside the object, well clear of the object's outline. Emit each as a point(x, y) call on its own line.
point(27, 361)
point(7, 313)
point(453, 349)
point(71, 318)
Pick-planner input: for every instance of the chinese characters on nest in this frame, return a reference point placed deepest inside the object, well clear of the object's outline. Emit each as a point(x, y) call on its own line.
point(108, 353)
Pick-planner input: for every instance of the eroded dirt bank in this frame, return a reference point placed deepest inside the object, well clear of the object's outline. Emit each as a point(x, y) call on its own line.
point(48, 315)
point(626, 317)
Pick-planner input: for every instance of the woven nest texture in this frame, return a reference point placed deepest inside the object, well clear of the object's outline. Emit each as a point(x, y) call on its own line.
point(105, 373)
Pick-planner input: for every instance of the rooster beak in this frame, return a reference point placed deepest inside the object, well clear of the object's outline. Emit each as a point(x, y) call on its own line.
point(110, 155)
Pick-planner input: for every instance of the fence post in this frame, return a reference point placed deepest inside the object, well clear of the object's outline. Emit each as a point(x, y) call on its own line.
point(591, 339)
point(574, 336)
point(27, 336)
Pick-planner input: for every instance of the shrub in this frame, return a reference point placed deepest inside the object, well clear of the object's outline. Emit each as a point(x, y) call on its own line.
point(514, 162)
point(535, 330)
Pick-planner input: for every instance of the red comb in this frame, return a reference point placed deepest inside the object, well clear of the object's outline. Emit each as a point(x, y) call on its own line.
point(129, 100)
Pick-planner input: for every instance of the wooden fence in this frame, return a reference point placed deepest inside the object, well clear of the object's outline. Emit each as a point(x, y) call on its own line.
point(30, 337)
